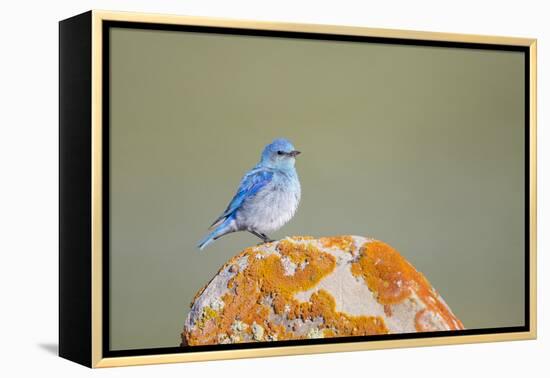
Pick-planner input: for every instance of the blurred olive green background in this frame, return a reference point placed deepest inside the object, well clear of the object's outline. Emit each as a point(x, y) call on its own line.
point(421, 147)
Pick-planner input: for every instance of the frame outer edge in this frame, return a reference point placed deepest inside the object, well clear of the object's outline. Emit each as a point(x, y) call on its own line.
point(533, 187)
point(98, 16)
point(97, 253)
point(306, 349)
point(312, 28)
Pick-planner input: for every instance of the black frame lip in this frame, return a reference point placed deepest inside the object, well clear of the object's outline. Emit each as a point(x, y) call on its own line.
point(108, 24)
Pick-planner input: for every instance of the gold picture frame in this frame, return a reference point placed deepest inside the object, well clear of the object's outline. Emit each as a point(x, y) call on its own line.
point(81, 205)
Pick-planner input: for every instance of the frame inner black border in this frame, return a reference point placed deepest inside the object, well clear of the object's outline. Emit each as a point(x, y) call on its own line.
point(107, 25)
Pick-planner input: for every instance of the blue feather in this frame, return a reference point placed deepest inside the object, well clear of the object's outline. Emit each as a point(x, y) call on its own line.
point(250, 184)
point(223, 229)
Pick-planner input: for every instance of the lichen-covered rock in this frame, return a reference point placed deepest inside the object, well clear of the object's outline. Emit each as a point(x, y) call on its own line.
point(301, 287)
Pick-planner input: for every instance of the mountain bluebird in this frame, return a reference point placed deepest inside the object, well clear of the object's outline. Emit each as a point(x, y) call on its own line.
point(266, 199)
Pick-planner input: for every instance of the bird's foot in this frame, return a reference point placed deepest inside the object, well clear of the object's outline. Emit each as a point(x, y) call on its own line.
point(266, 241)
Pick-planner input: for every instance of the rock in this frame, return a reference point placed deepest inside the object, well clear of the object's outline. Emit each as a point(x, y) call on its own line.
point(301, 287)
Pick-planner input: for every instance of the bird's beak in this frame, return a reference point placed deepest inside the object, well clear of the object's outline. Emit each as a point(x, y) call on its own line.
point(294, 153)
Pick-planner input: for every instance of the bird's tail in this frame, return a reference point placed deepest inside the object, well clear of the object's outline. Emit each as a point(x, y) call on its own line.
point(225, 228)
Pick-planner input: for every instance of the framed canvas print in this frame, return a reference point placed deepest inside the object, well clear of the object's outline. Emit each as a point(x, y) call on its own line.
point(236, 189)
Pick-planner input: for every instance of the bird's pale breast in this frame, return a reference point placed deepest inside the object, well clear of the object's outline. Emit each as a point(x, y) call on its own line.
point(272, 207)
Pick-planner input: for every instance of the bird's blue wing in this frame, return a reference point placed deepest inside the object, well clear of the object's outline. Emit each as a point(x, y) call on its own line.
point(250, 184)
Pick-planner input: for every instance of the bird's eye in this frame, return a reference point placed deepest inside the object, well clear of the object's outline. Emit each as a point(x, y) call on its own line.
point(280, 153)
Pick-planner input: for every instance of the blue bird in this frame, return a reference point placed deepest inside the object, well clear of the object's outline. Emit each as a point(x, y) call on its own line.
point(266, 199)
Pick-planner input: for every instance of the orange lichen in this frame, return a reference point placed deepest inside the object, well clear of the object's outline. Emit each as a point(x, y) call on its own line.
point(392, 279)
point(343, 243)
point(262, 291)
point(322, 304)
point(265, 278)
point(260, 302)
point(388, 311)
point(419, 321)
point(302, 238)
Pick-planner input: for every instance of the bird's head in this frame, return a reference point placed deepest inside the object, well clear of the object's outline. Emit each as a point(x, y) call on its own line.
point(279, 154)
